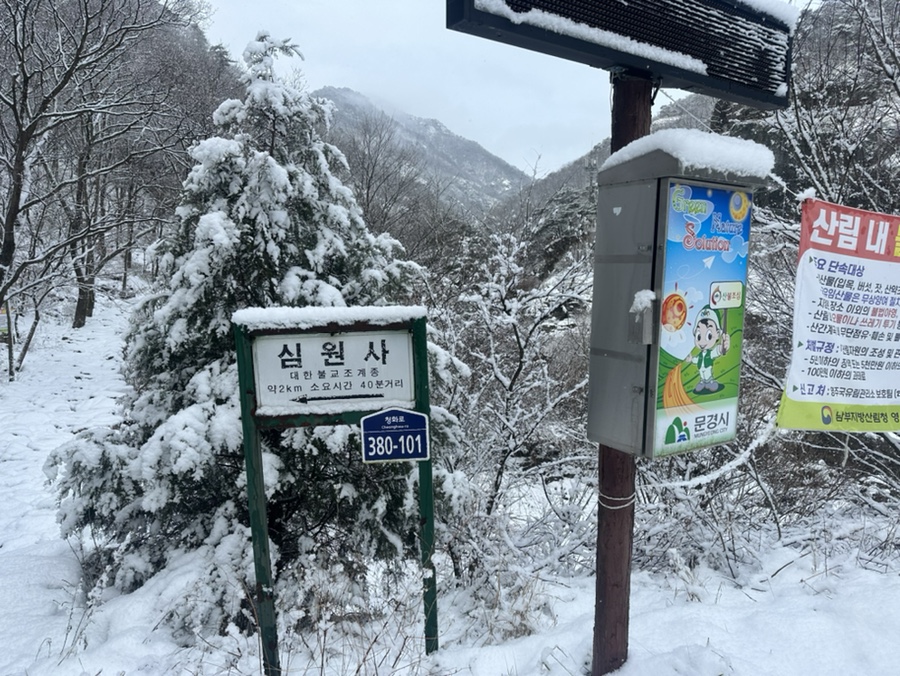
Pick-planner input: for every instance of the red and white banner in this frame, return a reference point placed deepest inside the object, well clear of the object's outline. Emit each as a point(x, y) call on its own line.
point(845, 368)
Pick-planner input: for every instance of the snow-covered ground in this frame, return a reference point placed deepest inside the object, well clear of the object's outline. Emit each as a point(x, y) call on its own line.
point(799, 613)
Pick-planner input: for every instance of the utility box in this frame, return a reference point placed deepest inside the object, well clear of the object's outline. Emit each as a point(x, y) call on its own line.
point(670, 275)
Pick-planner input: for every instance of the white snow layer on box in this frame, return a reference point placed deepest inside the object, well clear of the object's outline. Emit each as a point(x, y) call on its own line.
point(701, 150)
point(620, 43)
point(256, 319)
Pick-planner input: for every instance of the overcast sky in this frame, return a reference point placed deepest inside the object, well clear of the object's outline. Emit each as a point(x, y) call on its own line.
point(530, 109)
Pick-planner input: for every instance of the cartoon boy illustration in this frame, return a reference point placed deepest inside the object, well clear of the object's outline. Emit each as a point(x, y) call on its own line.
point(712, 342)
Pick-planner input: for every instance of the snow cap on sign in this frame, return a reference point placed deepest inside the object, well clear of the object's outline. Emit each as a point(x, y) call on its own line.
point(551, 21)
point(257, 319)
point(788, 14)
point(696, 150)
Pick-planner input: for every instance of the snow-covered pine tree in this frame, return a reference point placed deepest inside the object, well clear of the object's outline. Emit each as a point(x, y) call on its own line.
point(263, 222)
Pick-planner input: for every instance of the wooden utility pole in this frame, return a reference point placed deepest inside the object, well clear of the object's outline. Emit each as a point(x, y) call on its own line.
point(631, 110)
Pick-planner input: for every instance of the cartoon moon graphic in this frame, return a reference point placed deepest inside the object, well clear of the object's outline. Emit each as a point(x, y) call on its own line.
point(739, 205)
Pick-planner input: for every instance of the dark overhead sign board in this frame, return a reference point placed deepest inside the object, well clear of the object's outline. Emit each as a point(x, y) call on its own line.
point(732, 50)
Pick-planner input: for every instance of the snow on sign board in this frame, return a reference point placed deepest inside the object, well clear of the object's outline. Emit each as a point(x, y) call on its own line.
point(739, 50)
point(698, 150)
point(844, 373)
point(332, 360)
point(365, 370)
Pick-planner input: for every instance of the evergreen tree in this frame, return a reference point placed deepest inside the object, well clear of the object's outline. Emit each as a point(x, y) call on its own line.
point(720, 120)
point(263, 222)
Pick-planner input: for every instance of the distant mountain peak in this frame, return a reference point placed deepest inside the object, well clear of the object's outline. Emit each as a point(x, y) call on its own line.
point(476, 178)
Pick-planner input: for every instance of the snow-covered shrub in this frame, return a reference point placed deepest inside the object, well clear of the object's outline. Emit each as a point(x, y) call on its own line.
point(522, 472)
point(701, 510)
point(263, 222)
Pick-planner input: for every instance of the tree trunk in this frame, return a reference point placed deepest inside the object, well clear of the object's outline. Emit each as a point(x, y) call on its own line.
point(83, 249)
point(27, 343)
point(84, 308)
point(10, 326)
point(11, 215)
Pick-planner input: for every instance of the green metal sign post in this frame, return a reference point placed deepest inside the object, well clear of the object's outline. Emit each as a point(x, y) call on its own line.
point(271, 346)
point(426, 491)
point(256, 500)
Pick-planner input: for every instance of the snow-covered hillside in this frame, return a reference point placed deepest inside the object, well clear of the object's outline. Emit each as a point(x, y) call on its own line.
point(475, 178)
point(798, 612)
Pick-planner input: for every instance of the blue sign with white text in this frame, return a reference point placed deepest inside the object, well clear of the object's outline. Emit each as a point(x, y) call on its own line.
point(394, 435)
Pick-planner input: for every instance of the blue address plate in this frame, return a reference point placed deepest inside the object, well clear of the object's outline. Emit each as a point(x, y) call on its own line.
point(395, 435)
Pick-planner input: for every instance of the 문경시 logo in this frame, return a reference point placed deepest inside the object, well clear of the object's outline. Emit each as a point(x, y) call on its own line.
point(677, 431)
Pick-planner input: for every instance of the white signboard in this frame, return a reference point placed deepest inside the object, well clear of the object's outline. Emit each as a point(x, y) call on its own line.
point(844, 373)
point(296, 373)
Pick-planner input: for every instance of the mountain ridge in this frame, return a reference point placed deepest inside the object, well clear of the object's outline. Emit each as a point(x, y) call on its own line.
point(475, 178)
